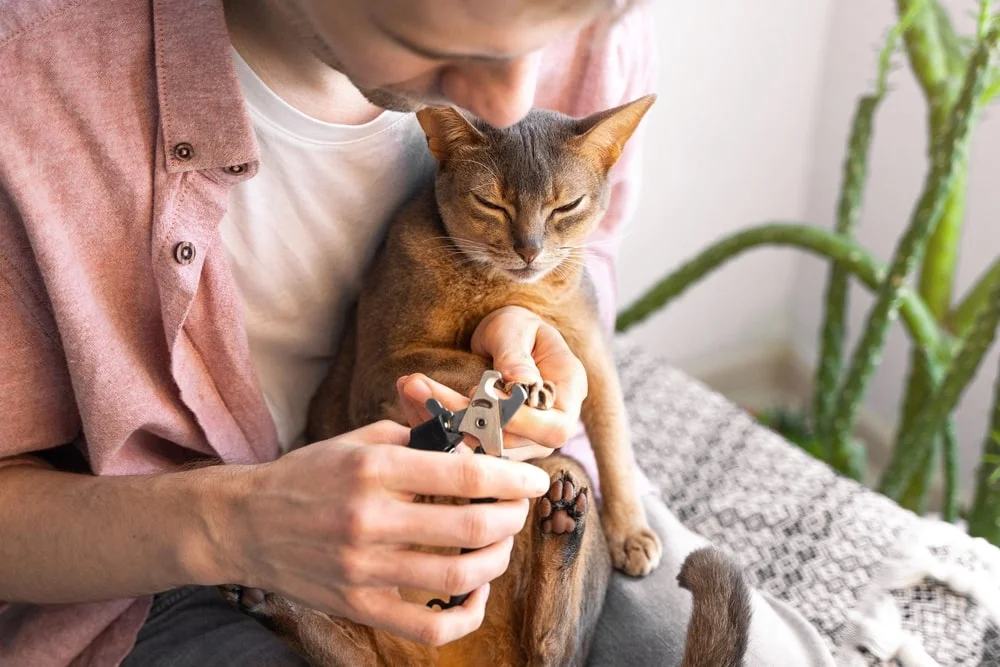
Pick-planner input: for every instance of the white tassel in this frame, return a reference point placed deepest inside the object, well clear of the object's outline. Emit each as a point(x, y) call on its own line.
point(852, 658)
point(912, 654)
point(877, 627)
point(922, 565)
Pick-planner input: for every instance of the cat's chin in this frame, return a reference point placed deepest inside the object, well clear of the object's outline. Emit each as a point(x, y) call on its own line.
point(525, 275)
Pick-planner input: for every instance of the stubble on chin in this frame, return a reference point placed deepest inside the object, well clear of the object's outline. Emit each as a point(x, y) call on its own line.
point(389, 100)
point(385, 97)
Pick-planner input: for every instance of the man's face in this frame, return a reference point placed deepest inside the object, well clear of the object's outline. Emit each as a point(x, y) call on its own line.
point(480, 55)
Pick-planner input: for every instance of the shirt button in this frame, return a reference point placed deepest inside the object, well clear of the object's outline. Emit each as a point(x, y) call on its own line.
point(236, 169)
point(183, 152)
point(184, 252)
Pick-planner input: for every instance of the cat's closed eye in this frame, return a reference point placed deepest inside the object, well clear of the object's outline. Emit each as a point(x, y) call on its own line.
point(486, 203)
point(566, 208)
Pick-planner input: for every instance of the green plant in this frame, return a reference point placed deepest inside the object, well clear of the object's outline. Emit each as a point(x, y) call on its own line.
point(959, 76)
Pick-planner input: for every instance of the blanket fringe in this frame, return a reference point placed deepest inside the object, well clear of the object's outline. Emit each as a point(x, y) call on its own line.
point(876, 625)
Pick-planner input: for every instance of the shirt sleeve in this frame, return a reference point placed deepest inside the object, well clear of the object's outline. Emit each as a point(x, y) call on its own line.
point(626, 69)
point(37, 406)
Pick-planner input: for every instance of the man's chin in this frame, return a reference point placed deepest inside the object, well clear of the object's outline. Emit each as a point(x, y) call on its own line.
point(391, 101)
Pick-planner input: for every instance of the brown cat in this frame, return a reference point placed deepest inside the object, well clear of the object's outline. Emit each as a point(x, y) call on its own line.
point(506, 224)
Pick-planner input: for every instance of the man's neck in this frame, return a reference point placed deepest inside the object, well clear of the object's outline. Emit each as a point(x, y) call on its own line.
point(272, 49)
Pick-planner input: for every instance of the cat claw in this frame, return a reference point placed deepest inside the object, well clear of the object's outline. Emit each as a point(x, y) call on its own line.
point(541, 394)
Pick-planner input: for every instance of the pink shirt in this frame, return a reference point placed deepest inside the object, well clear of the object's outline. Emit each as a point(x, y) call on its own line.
point(122, 128)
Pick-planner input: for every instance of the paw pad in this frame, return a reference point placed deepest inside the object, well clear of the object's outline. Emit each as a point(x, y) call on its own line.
point(561, 509)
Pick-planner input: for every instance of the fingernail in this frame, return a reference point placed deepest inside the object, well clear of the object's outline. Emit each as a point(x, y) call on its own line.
point(401, 381)
point(418, 391)
point(523, 374)
point(538, 481)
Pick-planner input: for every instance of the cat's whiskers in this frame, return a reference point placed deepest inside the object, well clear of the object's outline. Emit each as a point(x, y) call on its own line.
point(475, 256)
point(456, 240)
point(463, 251)
point(582, 250)
point(600, 243)
point(578, 255)
point(472, 248)
point(618, 236)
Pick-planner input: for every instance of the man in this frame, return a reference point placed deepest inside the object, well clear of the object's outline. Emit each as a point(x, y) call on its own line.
point(189, 193)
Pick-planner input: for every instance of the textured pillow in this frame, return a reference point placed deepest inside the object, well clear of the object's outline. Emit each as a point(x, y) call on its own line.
point(883, 586)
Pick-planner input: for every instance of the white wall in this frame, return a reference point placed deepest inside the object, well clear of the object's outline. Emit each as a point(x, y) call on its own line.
point(898, 168)
point(751, 125)
point(728, 141)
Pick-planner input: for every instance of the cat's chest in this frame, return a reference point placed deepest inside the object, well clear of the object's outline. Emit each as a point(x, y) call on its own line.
point(473, 301)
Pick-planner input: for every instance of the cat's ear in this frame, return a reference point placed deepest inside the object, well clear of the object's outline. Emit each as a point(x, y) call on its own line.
point(603, 135)
point(447, 130)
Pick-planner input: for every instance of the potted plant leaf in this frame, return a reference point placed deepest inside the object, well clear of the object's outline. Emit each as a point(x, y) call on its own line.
point(959, 76)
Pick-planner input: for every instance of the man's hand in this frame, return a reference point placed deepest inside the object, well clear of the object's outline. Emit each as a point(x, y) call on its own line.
point(329, 526)
point(524, 348)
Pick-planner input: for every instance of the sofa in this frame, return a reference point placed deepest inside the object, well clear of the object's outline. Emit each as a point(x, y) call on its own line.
point(882, 585)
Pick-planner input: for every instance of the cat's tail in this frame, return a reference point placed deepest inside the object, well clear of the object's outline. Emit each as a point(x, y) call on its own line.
point(720, 619)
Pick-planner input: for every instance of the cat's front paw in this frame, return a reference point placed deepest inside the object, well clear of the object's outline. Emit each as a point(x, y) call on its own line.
point(635, 549)
point(541, 394)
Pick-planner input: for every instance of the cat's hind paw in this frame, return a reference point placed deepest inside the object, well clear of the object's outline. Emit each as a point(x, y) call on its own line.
point(252, 601)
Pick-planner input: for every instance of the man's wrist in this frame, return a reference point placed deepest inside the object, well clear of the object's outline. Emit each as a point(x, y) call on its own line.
point(210, 549)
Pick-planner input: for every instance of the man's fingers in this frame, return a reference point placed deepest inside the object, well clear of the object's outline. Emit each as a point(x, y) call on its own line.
point(438, 525)
point(560, 366)
point(510, 347)
point(438, 573)
point(529, 452)
point(551, 428)
point(526, 348)
point(417, 388)
point(385, 432)
point(434, 474)
point(414, 411)
point(416, 622)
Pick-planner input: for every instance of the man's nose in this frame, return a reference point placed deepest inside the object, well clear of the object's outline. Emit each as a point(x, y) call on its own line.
point(499, 93)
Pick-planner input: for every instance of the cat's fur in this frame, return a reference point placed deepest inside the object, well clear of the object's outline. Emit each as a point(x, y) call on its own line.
point(506, 224)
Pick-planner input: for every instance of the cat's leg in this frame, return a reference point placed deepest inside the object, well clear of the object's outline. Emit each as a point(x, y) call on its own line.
point(635, 548)
point(568, 568)
point(321, 640)
point(374, 396)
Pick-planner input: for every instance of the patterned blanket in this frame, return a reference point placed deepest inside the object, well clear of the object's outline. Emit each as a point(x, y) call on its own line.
point(882, 585)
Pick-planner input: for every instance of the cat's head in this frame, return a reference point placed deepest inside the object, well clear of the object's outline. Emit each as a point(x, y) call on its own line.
point(521, 201)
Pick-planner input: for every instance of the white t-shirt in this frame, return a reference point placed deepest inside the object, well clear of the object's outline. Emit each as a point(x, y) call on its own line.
point(300, 234)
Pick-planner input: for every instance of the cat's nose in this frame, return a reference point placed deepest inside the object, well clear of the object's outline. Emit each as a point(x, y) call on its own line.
point(528, 253)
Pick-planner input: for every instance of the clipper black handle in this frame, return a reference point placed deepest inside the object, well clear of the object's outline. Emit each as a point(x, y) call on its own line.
point(434, 436)
point(459, 600)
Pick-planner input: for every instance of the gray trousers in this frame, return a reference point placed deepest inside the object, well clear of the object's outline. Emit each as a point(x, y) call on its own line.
point(643, 624)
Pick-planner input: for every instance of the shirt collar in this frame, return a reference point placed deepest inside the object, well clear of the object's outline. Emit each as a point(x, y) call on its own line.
point(205, 122)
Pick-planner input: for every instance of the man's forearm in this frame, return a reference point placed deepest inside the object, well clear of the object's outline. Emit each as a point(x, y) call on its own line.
point(77, 538)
